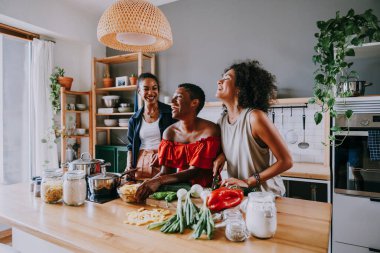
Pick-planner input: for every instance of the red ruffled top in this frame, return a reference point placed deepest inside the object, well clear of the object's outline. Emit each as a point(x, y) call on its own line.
point(200, 154)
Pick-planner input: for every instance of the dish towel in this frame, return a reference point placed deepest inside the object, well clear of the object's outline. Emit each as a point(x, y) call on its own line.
point(374, 145)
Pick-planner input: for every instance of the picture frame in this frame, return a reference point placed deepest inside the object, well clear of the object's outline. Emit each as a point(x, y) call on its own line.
point(121, 81)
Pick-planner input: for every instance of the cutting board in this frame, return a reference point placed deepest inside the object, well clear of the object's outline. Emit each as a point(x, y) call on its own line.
point(169, 205)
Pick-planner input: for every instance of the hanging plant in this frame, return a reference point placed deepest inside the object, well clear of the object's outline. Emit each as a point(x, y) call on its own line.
point(55, 89)
point(334, 44)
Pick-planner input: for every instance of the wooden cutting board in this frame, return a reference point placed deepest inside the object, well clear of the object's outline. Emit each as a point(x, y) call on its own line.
point(169, 205)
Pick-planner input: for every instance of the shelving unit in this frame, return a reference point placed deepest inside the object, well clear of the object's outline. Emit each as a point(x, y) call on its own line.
point(98, 90)
point(78, 121)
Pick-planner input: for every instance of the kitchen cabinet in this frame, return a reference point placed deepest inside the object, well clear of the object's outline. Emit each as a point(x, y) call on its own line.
point(70, 123)
point(101, 133)
point(116, 155)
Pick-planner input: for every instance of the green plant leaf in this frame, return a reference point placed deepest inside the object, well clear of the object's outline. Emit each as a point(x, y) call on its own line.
point(311, 101)
point(318, 117)
point(335, 129)
point(348, 114)
point(350, 52)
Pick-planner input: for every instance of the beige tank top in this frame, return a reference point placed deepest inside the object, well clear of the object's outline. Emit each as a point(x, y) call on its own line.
point(244, 155)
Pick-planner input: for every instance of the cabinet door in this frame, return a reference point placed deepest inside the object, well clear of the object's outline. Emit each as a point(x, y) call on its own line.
point(356, 221)
point(121, 158)
point(108, 154)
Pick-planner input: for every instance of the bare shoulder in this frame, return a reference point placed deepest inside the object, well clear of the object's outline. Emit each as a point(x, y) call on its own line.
point(209, 128)
point(258, 116)
point(169, 132)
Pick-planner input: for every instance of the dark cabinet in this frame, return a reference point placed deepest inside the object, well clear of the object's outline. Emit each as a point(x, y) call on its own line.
point(116, 155)
point(306, 190)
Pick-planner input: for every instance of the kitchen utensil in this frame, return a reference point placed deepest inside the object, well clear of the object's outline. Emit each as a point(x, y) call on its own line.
point(356, 88)
point(104, 183)
point(273, 115)
point(291, 135)
point(304, 144)
point(80, 107)
point(90, 166)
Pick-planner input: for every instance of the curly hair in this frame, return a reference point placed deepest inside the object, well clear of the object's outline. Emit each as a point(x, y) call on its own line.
point(256, 85)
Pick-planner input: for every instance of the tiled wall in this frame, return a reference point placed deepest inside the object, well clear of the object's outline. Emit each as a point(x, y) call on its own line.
point(314, 134)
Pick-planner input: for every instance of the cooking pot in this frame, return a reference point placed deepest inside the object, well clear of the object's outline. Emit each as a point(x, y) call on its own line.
point(104, 183)
point(88, 165)
point(356, 88)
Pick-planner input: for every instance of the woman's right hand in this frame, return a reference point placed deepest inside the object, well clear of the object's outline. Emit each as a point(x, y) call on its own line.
point(218, 164)
point(130, 176)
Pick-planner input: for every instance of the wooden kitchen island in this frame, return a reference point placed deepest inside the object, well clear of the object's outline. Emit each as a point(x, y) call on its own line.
point(303, 226)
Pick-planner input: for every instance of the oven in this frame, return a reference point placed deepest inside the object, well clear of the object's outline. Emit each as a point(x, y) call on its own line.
point(356, 155)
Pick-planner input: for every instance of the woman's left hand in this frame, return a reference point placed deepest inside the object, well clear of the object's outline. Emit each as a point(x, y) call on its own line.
point(234, 181)
point(146, 189)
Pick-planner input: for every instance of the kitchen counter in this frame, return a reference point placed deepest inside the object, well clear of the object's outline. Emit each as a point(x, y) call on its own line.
point(303, 226)
point(308, 171)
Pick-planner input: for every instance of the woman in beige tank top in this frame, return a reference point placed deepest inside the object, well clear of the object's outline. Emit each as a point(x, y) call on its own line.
point(246, 90)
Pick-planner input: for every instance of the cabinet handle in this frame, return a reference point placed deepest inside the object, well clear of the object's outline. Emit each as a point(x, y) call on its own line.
point(374, 250)
point(375, 200)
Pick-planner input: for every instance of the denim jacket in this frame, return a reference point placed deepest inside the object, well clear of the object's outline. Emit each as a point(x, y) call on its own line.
point(164, 120)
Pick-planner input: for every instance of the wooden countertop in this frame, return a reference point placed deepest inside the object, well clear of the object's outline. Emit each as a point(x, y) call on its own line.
point(303, 226)
point(309, 171)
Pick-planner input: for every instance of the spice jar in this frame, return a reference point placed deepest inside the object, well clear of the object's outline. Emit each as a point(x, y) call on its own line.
point(74, 188)
point(37, 187)
point(51, 186)
point(236, 230)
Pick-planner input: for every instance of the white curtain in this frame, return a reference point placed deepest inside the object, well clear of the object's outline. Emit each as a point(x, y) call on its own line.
point(14, 110)
point(45, 155)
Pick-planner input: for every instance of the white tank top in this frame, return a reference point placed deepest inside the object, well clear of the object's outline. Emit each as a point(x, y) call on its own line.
point(150, 135)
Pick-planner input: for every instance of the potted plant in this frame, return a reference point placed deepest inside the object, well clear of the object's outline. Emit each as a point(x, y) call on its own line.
point(107, 80)
point(133, 79)
point(335, 39)
point(63, 80)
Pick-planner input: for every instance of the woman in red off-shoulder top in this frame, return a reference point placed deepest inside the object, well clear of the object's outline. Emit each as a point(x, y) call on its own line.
point(188, 147)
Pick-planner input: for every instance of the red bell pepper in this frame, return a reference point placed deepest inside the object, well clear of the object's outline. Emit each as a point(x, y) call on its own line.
point(224, 198)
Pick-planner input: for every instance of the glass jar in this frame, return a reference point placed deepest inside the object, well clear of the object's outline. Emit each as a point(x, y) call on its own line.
point(51, 186)
point(261, 214)
point(236, 230)
point(74, 188)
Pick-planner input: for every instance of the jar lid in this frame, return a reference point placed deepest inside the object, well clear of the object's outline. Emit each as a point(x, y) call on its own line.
point(75, 174)
point(51, 172)
point(261, 197)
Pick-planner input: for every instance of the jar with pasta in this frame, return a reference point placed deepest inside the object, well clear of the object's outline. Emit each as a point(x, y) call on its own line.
point(51, 186)
point(74, 188)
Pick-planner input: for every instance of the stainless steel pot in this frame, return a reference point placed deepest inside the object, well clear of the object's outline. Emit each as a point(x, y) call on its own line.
point(356, 88)
point(87, 164)
point(104, 183)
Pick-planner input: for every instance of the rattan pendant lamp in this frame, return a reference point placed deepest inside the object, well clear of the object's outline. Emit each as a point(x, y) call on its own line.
point(135, 26)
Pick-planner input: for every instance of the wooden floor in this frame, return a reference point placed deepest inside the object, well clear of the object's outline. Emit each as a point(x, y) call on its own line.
point(6, 237)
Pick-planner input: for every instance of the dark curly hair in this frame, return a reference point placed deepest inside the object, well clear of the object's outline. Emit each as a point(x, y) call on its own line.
point(195, 92)
point(256, 85)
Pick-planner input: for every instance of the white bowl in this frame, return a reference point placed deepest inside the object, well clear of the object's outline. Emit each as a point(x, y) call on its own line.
point(80, 131)
point(122, 124)
point(125, 109)
point(110, 122)
point(80, 107)
point(111, 97)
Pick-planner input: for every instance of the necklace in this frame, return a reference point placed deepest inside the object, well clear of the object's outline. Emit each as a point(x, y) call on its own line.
point(152, 113)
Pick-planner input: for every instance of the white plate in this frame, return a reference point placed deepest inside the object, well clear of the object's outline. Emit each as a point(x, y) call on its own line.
point(123, 124)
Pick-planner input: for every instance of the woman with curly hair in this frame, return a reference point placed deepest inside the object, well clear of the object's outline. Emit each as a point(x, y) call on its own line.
point(246, 90)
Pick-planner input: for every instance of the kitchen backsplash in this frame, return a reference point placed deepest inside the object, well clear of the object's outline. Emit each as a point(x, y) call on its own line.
point(314, 134)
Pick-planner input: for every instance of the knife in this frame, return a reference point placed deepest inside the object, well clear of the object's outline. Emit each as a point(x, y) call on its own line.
point(215, 182)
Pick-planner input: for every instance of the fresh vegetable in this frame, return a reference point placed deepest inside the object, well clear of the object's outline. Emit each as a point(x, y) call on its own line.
point(171, 196)
point(196, 190)
point(224, 198)
point(205, 223)
point(191, 211)
point(161, 195)
point(174, 187)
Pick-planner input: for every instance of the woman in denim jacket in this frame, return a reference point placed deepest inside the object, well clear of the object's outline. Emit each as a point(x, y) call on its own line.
point(145, 130)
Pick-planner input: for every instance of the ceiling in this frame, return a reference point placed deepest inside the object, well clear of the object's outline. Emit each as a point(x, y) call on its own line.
point(97, 7)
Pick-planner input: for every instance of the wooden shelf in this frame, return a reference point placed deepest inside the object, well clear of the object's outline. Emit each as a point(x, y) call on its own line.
point(77, 136)
point(125, 88)
point(124, 58)
point(115, 114)
point(68, 92)
point(77, 111)
point(113, 128)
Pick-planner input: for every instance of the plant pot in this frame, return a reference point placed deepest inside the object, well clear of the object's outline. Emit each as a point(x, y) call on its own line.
point(65, 81)
point(107, 82)
point(133, 80)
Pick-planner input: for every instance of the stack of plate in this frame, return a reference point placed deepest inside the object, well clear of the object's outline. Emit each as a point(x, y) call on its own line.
point(123, 122)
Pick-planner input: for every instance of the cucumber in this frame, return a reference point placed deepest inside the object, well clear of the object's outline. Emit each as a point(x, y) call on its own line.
point(174, 187)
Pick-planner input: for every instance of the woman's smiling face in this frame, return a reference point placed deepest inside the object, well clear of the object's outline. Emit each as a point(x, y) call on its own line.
point(148, 90)
point(226, 86)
